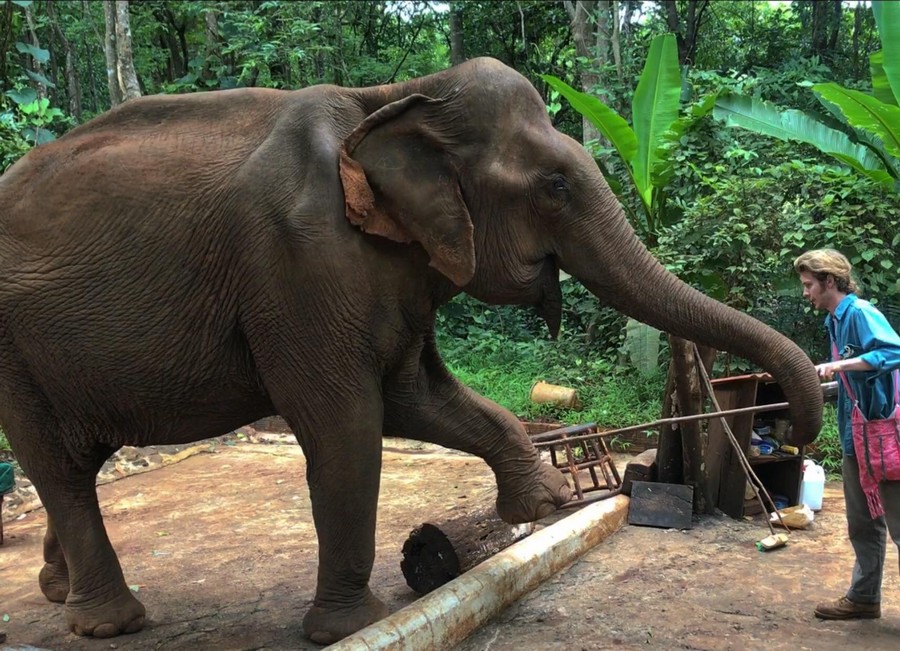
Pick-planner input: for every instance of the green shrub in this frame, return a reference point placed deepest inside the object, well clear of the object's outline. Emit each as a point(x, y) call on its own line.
point(12, 143)
point(826, 449)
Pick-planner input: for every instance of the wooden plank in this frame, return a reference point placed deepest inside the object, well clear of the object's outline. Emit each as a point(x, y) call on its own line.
point(655, 504)
point(724, 469)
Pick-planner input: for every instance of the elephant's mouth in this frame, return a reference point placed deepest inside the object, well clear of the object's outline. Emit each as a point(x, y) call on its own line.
point(549, 306)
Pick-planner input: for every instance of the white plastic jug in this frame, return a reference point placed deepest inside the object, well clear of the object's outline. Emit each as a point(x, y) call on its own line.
point(812, 487)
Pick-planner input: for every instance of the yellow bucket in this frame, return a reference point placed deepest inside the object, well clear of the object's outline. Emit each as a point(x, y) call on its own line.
point(544, 393)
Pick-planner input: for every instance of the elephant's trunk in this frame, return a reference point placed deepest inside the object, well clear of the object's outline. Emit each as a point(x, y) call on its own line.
point(621, 272)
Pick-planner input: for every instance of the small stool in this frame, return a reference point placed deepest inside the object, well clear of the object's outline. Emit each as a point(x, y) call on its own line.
point(7, 484)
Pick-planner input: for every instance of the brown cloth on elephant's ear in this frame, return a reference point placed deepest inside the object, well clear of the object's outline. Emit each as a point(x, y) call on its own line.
point(360, 202)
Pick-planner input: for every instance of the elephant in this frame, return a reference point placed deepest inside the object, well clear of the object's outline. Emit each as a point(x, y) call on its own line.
point(183, 265)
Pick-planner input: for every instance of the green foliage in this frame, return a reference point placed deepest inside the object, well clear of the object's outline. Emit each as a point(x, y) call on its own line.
point(504, 370)
point(647, 148)
point(887, 18)
point(12, 142)
point(826, 449)
point(869, 139)
point(746, 224)
point(765, 118)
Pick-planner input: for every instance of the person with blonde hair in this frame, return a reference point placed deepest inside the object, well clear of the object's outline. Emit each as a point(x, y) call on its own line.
point(867, 351)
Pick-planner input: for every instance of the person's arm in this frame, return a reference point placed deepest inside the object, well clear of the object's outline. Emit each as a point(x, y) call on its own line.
point(828, 369)
point(880, 343)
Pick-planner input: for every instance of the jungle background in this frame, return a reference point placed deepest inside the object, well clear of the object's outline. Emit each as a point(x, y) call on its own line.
point(730, 208)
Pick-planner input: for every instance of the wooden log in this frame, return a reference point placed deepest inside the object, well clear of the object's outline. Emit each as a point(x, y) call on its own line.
point(438, 552)
point(641, 468)
point(661, 505)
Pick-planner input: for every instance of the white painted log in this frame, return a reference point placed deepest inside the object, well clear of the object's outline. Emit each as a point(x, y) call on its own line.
point(449, 614)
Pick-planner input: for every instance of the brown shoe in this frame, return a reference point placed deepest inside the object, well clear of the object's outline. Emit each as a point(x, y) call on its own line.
point(843, 608)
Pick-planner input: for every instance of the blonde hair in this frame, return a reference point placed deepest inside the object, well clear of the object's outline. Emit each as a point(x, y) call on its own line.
point(822, 263)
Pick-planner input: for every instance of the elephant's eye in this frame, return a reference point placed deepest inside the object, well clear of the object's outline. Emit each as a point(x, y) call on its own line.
point(560, 184)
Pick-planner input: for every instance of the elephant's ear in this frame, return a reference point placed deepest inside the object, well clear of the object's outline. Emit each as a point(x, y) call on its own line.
point(400, 182)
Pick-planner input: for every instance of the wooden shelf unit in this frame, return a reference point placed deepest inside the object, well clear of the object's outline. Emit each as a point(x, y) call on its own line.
point(781, 475)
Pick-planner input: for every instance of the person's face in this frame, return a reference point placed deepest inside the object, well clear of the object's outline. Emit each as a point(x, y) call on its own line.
point(818, 292)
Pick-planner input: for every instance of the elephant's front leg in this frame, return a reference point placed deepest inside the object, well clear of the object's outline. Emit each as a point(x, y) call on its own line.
point(424, 402)
point(340, 432)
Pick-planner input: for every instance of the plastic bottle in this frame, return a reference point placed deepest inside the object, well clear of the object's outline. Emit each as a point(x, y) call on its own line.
point(812, 487)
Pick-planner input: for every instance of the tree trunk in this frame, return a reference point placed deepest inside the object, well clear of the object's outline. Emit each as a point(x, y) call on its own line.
point(73, 85)
point(35, 64)
point(176, 67)
point(669, 466)
point(457, 48)
point(687, 31)
point(90, 92)
point(835, 28)
point(213, 42)
point(682, 449)
point(109, 46)
point(857, 27)
point(824, 24)
point(590, 31)
point(4, 42)
point(125, 73)
point(337, 62)
point(615, 41)
point(689, 396)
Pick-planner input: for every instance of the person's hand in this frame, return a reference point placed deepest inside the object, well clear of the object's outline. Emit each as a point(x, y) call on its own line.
point(827, 370)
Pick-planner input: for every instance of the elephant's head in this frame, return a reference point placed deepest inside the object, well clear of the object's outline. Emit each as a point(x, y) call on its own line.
point(467, 164)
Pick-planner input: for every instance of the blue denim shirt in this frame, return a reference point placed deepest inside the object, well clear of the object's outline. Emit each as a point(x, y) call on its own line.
point(858, 329)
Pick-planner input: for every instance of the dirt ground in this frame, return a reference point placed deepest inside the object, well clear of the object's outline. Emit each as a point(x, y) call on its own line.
point(217, 541)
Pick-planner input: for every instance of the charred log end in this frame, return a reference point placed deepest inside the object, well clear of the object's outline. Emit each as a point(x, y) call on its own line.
point(437, 553)
point(429, 560)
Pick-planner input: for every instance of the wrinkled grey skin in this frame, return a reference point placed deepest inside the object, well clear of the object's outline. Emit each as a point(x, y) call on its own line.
point(181, 266)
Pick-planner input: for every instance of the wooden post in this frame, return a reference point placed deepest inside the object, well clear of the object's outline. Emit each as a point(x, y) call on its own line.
point(641, 468)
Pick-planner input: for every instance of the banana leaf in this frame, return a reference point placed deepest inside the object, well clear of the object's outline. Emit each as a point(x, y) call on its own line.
point(862, 111)
point(881, 88)
point(642, 346)
point(761, 117)
point(887, 19)
point(863, 136)
point(608, 122)
point(655, 108)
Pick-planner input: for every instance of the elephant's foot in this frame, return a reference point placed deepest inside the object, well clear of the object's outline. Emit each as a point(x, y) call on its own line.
point(533, 496)
point(326, 624)
point(54, 582)
point(124, 614)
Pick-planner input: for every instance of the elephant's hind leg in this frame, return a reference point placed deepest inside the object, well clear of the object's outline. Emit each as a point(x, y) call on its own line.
point(80, 564)
point(54, 576)
point(98, 602)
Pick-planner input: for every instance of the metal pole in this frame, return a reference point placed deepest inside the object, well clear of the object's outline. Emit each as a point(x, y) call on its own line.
point(555, 435)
